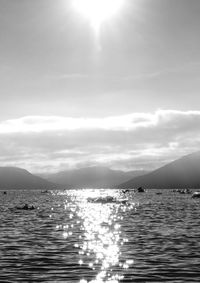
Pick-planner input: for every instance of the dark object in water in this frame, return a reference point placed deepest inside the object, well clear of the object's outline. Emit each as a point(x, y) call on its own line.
point(141, 190)
point(107, 199)
point(44, 192)
point(196, 195)
point(182, 191)
point(158, 193)
point(26, 207)
point(125, 191)
point(5, 193)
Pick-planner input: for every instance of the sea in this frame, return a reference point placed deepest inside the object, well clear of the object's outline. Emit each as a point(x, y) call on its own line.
point(96, 236)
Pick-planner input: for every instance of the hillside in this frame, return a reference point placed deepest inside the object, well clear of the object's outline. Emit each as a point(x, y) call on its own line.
point(181, 173)
point(92, 177)
point(17, 178)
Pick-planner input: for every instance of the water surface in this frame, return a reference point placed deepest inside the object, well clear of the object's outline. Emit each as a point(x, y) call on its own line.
point(94, 236)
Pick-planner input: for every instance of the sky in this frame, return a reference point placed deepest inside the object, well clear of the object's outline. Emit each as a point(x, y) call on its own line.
point(126, 96)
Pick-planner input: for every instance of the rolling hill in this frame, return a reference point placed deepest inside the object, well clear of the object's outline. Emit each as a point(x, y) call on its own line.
point(17, 178)
point(92, 177)
point(181, 173)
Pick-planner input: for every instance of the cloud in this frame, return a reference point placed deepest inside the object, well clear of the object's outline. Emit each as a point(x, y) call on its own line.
point(134, 141)
point(54, 123)
point(180, 69)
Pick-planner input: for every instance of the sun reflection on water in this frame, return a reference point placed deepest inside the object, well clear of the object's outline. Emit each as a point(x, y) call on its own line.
point(101, 238)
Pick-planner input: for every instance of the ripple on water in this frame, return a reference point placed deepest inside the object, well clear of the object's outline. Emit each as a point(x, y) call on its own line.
point(93, 236)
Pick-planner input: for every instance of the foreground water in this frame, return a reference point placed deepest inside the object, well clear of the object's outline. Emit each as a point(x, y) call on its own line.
point(91, 236)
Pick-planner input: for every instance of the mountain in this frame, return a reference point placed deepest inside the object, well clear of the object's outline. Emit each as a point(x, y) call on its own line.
point(182, 173)
point(92, 177)
point(17, 178)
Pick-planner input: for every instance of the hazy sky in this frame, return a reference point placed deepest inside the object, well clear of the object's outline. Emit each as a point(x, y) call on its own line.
point(60, 83)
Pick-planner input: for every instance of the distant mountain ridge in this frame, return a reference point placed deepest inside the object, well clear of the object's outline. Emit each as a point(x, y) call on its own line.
point(92, 177)
point(17, 178)
point(181, 173)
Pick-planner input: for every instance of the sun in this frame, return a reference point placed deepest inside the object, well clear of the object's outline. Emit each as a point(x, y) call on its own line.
point(97, 11)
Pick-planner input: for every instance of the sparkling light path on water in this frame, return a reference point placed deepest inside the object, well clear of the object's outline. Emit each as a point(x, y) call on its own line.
point(101, 239)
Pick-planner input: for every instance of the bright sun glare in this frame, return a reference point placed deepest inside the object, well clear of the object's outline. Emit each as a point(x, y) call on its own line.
point(97, 11)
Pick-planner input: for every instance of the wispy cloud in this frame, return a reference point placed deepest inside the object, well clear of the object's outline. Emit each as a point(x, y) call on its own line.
point(154, 74)
point(185, 67)
point(138, 140)
point(72, 76)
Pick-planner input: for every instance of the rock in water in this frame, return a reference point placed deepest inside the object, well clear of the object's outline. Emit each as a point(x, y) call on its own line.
point(196, 195)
